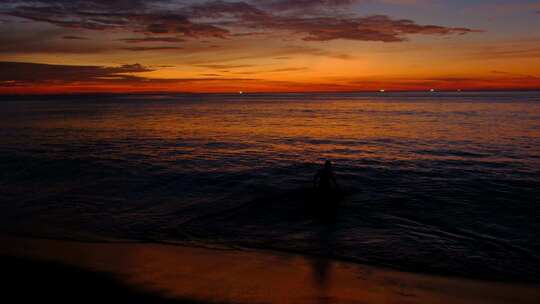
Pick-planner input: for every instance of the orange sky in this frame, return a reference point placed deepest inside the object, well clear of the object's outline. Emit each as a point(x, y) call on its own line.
point(268, 46)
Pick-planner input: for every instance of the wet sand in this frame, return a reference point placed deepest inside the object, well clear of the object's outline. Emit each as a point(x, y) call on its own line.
point(39, 270)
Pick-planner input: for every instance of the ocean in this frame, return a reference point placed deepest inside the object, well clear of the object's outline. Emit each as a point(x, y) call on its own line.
point(444, 183)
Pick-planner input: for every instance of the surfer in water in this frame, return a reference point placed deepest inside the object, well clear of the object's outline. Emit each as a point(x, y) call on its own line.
point(327, 192)
point(325, 179)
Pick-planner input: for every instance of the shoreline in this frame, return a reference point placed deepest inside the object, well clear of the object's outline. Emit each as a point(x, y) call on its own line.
point(420, 270)
point(203, 275)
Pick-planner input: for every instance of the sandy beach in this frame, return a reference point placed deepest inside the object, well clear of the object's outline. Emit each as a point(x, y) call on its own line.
point(150, 273)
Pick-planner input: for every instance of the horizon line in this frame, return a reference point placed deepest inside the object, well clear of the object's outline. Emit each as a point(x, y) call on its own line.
point(83, 93)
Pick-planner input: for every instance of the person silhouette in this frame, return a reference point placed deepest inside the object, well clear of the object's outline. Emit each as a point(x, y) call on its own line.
point(325, 179)
point(327, 193)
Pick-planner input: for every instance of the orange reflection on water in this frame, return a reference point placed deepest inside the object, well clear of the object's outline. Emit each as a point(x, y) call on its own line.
point(303, 128)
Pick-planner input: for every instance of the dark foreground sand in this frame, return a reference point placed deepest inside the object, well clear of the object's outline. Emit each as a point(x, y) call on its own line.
point(70, 272)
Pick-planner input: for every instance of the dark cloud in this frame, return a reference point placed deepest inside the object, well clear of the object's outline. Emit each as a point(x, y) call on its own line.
point(249, 34)
point(146, 21)
point(293, 69)
point(224, 66)
point(22, 73)
point(217, 9)
point(284, 5)
point(282, 70)
point(89, 5)
point(151, 48)
point(74, 38)
point(152, 39)
point(174, 24)
point(371, 28)
point(38, 42)
point(186, 18)
point(321, 28)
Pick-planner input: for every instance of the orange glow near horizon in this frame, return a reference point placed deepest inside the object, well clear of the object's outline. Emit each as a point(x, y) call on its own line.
point(271, 87)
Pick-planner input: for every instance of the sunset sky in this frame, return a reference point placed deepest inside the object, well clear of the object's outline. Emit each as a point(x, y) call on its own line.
point(63, 46)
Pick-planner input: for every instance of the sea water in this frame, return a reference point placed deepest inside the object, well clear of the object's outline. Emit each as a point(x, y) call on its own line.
point(433, 182)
